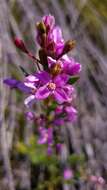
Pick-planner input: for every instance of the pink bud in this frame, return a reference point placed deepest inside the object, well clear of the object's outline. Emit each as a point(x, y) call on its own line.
point(20, 44)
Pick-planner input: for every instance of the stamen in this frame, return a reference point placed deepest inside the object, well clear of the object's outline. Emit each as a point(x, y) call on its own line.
point(52, 86)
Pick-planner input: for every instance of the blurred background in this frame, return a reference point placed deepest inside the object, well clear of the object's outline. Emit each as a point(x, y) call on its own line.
point(86, 22)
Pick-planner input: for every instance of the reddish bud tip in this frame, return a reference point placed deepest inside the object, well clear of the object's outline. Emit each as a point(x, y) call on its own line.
point(20, 44)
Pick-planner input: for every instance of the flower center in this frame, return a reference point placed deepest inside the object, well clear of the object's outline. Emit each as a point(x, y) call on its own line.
point(52, 86)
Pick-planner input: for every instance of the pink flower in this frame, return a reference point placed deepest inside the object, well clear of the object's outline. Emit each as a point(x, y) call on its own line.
point(71, 113)
point(46, 137)
point(55, 87)
point(67, 65)
point(54, 82)
point(68, 174)
point(43, 135)
point(71, 67)
point(65, 113)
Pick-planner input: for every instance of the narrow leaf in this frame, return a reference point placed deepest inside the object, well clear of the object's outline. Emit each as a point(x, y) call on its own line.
point(73, 79)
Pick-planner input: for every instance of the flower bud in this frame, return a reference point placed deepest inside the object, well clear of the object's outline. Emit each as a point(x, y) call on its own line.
point(20, 44)
point(69, 45)
point(41, 27)
point(49, 22)
point(56, 69)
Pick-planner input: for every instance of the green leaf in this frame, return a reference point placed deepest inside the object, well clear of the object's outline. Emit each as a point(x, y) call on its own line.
point(21, 148)
point(73, 79)
point(53, 106)
point(76, 159)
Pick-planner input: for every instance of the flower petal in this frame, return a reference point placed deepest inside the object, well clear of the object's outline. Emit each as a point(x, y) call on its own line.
point(49, 21)
point(49, 150)
point(30, 116)
point(65, 58)
point(61, 80)
point(51, 62)
point(42, 140)
point(57, 35)
point(60, 96)
point(28, 101)
point(71, 113)
point(74, 69)
point(43, 76)
point(42, 93)
point(11, 82)
point(23, 88)
point(59, 122)
point(43, 135)
point(59, 48)
point(31, 78)
point(68, 174)
point(30, 85)
point(70, 66)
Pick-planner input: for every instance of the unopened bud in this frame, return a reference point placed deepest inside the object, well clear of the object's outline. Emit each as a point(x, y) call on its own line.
point(41, 27)
point(20, 44)
point(56, 69)
point(69, 45)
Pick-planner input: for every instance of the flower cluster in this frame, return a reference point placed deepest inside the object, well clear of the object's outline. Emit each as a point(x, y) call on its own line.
point(53, 83)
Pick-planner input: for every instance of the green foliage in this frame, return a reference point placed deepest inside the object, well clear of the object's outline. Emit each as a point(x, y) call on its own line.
point(37, 153)
point(17, 12)
point(73, 79)
point(62, 3)
point(75, 159)
point(101, 7)
point(6, 112)
point(21, 148)
point(37, 156)
point(53, 106)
